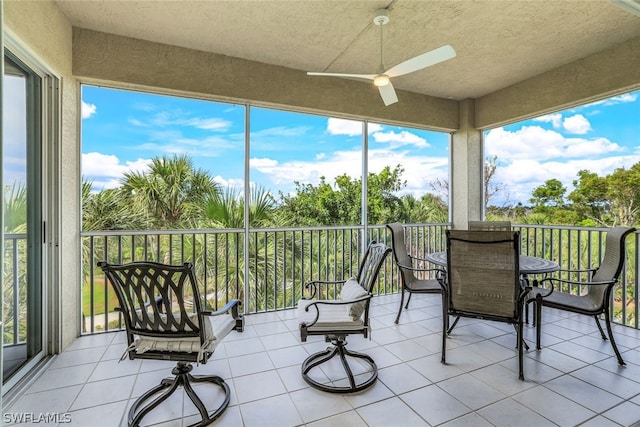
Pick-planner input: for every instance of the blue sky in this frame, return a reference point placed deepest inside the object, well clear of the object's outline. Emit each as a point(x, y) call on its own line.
point(123, 130)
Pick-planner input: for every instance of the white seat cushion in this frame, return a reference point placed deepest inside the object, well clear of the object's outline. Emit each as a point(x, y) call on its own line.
point(215, 329)
point(331, 317)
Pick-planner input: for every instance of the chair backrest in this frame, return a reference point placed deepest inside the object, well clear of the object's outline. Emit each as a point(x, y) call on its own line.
point(156, 299)
point(400, 253)
point(613, 259)
point(489, 225)
point(483, 272)
point(371, 264)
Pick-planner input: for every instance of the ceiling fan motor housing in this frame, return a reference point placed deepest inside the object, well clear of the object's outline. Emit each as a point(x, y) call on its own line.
point(381, 17)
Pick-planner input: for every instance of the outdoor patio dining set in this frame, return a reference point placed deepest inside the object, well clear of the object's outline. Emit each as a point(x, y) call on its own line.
point(481, 275)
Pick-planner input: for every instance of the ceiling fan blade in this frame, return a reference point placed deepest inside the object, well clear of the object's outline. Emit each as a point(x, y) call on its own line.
point(388, 94)
point(353, 76)
point(422, 61)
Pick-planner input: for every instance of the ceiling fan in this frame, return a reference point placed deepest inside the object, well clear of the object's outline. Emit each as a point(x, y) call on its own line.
point(382, 77)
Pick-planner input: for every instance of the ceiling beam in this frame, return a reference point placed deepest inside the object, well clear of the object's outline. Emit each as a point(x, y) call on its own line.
point(601, 75)
point(101, 58)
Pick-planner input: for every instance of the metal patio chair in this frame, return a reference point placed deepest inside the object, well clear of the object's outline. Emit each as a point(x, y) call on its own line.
point(483, 281)
point(165, 320)
point(489, 225)
point(336, 319)
point(409, 266)
point(596, 290)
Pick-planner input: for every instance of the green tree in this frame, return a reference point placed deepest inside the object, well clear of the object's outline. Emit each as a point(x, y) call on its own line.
point(15, 208)
point(109, 210)
point(623, 191)
point(589, 198)
point(171, 191)
point(341, 204)
point(551, 194)
point(226, 210)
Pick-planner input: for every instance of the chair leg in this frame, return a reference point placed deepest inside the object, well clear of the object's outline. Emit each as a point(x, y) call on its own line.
point(339, 349)
point(519, 333)
point(455, 322)
point(408, 300)
point(401, 303)
point(604, 337)
point(613, 341)
point(182, 378)
point(538, 320)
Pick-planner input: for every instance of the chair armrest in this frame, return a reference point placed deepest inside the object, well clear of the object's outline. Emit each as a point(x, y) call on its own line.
point(314, 284)
point(590, 271)
point(552, 280)
point(316, 304)
point(415, 258)
point(412, 268)
point(339, 302)
point(232, 305)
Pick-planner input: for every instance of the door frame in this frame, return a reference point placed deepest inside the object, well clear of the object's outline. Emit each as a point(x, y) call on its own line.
point(48, 171)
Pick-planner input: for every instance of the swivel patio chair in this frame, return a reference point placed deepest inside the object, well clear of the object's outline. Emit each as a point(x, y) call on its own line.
point(409, 266)
point(165, 320)
point(337, 319)
point(594, 298)
point(483, 281)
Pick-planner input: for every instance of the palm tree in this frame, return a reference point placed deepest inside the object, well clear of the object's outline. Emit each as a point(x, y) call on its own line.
point(15, 280)
point(171, 191)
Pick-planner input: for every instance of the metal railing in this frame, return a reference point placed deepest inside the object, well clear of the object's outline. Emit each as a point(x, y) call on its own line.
point(14, 283)
point(281, 260)
point(278, 264)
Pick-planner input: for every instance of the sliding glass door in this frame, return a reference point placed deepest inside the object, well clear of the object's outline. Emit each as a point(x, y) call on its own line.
point(23, 223)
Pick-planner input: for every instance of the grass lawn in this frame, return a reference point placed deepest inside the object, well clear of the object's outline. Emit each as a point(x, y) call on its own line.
point(99, 304)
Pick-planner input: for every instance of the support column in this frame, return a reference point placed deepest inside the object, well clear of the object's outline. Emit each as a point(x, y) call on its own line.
point(467, 169)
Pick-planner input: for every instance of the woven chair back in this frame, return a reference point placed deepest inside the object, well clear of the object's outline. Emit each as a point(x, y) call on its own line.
point(612, 261)
point(157, 300)
point(483, 272)
point(371, 264)
point(489, 225)
point(400, 253)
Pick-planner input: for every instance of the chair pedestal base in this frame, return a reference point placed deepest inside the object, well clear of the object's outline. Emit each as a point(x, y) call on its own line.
point(167, 386)
point(339, 350)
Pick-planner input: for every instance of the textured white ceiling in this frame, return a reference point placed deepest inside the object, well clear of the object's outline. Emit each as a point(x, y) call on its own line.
point(498, 42)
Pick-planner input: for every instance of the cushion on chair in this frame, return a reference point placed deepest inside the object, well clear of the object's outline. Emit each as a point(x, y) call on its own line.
point(331, 317)
point(352, 290)
point(222, 325)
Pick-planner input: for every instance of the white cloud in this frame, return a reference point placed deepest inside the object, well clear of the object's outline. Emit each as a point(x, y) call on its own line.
point(263, 163)
point(235, 183)
point(419, 171)
point(554, 119)
point(531, 155)
point(105, 170)
point(522, 176)
point(400, 139)
point(627, 97)
point(136, 122)
point(209, 124)
point(349, 127)
point(577, 124)
point(87, 110)
point(536, 143)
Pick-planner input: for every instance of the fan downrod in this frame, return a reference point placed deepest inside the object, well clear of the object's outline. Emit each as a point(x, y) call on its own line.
point(381, 17)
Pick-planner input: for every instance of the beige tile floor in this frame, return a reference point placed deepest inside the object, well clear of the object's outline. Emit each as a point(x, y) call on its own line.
point(573, 380)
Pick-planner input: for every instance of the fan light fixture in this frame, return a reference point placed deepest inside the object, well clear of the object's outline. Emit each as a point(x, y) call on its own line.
point(381, 80)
